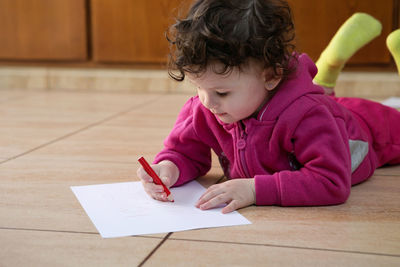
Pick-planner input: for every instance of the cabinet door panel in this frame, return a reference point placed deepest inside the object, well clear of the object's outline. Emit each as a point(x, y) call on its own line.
point(317, 21)
point(43, 30)
point(131, 31)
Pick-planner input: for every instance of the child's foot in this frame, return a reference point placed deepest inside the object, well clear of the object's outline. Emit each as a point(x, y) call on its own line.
point(356, 32)
point(393, 43)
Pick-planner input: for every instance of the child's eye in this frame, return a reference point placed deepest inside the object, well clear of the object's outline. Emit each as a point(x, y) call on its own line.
point(222, 93)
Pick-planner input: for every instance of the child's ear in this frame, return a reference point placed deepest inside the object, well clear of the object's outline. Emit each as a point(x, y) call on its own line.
point(271, 80)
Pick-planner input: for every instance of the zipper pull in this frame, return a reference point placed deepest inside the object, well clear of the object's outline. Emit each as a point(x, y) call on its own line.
point(241, 144)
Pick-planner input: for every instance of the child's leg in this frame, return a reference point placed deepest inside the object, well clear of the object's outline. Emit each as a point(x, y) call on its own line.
point(381, 123)
point(356, 32)
point(393, 43)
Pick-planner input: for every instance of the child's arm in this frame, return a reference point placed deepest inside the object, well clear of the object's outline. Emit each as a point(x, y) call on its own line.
point(320, 143)
point(185, 147)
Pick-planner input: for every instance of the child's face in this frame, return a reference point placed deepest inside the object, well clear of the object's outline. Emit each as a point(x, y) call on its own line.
point(235, 96)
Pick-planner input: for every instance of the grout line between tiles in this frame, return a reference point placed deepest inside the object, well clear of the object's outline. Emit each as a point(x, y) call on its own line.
point(67, 232)
point(78, 131)
point(292, 247)
point(205, 241)
point(46, 230)
point(155, 249)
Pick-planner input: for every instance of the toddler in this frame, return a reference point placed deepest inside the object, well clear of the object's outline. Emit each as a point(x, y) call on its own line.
point(281, 140)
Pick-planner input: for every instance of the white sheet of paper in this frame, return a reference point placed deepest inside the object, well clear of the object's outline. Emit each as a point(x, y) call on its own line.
point(124, 209)
point(393, 102)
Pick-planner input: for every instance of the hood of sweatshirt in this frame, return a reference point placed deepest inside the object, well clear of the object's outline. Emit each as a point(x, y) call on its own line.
point(299, 83)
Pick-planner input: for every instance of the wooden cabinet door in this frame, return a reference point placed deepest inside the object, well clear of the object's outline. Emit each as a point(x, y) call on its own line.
point(317, 21)
point(131, 30)
point(134, 30)
point(43, 30)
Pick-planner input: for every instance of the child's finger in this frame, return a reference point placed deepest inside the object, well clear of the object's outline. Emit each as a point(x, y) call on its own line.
point(160, 196)
point(166, 181)
point(215, 201)
point(210, 193)
point(143, 175)
point(153, 188)
point(165, 177)
point(157, 194)
point(232, 206)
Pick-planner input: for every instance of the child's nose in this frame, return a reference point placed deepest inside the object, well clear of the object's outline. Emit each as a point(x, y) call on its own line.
point(209, 102)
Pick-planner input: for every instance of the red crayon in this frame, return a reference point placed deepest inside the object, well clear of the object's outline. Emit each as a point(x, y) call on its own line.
point(155, 177)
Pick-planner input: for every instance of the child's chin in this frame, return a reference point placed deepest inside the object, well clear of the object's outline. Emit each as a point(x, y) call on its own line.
point(227, 120)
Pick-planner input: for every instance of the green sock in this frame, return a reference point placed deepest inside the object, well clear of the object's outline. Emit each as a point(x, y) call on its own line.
point(356, 32)
point(393, 43)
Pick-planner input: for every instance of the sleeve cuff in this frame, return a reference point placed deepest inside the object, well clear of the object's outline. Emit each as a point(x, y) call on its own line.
point(184, 173)
point(267, 190)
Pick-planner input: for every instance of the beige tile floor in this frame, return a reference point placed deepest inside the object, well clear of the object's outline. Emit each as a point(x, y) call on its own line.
point(52, 139)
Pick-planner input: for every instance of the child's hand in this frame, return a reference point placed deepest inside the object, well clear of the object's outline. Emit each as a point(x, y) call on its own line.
point(237, 193)
point(167, 171)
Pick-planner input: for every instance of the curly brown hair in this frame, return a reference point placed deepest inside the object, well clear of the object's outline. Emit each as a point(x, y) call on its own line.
point(232, 32)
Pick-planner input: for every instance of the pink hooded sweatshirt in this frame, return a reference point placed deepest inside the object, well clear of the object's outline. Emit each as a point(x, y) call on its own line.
point(304, 148)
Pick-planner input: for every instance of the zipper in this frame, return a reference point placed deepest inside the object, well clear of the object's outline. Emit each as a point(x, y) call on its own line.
point(262, 113)
point(241, 145)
